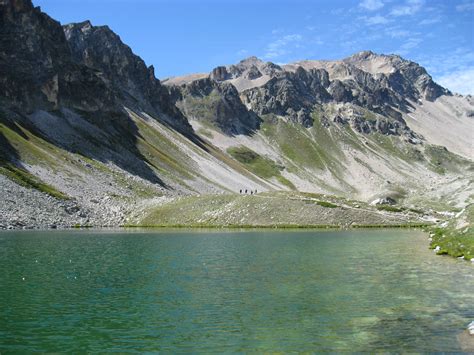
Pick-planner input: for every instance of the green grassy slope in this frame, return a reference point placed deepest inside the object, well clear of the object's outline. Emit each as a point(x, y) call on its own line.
point(271, 210)
point(456, 238)
point(260, 166)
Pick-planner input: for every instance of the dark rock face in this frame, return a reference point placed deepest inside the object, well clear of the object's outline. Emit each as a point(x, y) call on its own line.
point(99, 48)
point(37, 68)
point(340, 92)
point(218, 102)
point(81, 67)
point(291, 94)
point(253, 73)
point(219, 74)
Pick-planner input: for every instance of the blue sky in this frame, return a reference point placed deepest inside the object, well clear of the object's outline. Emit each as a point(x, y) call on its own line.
point(187, 36)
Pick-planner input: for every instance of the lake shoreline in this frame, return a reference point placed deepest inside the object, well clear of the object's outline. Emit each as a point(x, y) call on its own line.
point(230, 227)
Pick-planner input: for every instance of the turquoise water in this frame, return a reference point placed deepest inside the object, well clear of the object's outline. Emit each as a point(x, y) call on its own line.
point(214, 291)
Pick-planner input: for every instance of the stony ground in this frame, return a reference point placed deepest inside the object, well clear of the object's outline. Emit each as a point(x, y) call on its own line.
point(26, 208)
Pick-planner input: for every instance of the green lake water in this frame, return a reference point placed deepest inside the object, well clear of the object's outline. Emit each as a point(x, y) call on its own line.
point(230, 291)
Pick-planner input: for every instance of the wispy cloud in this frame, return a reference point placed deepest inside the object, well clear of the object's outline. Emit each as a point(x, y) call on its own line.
point(410, 7)
point(460, 81)
point(281, 46)
point(242, 52)
point(371, 5)
point(318, 41)
point(397, 33)
point(465, 6)
point(461, 58)
point(408, 45)
point(430, 21)
point(376, 20)
point(453, 69)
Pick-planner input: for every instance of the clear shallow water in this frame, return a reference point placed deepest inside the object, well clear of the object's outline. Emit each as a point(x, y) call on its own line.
point(230, 291)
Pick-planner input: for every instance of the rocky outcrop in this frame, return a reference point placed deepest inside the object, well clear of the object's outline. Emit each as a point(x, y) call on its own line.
point(290, 94)
point(365, 121)
point(218, 103)
point(37, 68)
point(219, 74)
point(100, 49)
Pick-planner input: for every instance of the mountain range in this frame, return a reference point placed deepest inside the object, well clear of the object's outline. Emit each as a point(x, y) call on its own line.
point(89, 135)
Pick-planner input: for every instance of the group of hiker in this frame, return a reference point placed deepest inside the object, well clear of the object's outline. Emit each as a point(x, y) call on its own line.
point(247, 191)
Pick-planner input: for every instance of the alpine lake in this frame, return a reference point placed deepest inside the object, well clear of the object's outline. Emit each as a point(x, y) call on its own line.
point(231, 291)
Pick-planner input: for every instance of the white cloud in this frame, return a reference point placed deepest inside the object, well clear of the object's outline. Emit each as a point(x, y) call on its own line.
point(376, 20)
point(461, 81)
point(410, 7)
point(466, 6)
point(461, 58)
point(242, 52)
point(406, 47)
point(397, 33)
point(431, 21)
point(371, 5)
point(281, 46)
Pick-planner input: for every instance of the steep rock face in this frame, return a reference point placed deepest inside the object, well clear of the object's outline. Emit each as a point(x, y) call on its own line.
point(99, 48)
point(219, 74)
point(289, 94)
point(217, 102)
point(37, 68)
point(80, 67)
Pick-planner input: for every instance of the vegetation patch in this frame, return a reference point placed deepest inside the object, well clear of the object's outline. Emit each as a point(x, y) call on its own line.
point(443, 160)
point(326, 204)
point(260, 166)
point(457, 237)
point(286, 182)
point(389, 208)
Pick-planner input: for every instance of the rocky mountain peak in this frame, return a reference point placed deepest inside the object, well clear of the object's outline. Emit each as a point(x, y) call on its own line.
point(406, 77)
point(362, 55)
point(248, 62)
